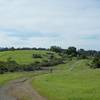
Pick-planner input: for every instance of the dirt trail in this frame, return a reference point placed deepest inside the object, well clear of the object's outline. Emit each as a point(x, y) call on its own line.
point(19, 89)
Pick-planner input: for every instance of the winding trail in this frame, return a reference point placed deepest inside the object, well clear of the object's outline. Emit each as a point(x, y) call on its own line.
point(19, 89)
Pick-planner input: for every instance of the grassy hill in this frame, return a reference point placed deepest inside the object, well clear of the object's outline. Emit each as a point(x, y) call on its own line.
point(24, 56)
point(74, 80)
point(71, 81)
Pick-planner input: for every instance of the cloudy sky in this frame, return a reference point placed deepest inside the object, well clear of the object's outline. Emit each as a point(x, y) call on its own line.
point(42, 23)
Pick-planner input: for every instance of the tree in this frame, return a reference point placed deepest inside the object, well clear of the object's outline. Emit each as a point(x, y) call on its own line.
point(82, 54)
point(12, 48)
point(71, 51)
point(56, 49)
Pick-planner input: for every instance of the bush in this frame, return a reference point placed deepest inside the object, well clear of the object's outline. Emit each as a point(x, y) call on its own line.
point(37, 56)
point(96, 62)
point(82, 57)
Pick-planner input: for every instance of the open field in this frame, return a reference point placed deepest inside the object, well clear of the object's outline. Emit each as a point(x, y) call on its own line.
point(74, 80)
point(71, 81)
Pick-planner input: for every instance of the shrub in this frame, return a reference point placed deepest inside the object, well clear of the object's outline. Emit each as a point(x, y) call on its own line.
point(37, 56)
point(96, 62)
point(82, 57)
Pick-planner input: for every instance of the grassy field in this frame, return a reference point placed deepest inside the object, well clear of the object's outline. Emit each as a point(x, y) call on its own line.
point(23, 56)
point(71, 81)
point(4, 78)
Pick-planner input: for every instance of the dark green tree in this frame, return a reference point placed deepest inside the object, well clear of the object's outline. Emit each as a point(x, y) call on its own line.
point(72, 51)
point(56, 49)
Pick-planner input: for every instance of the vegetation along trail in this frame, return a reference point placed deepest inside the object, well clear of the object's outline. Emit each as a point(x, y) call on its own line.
point(19, 89)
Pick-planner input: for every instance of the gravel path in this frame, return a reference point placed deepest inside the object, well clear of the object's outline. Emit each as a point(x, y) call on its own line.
point(19, 89)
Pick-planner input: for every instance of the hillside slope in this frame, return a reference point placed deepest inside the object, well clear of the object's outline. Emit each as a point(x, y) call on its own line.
point(23, 56)
point(71, 81)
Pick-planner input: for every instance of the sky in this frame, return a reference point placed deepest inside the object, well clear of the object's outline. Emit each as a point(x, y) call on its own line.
point(43, 23)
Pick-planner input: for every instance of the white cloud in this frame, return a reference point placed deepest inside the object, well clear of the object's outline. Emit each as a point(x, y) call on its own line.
point(69, 19)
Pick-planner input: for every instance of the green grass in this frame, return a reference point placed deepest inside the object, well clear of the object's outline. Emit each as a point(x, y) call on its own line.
point(71, 81)
point(23, 56)
point(79, 83)
point(4, 78)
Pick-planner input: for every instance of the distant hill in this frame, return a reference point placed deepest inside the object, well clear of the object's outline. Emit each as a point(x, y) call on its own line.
point(25, 56)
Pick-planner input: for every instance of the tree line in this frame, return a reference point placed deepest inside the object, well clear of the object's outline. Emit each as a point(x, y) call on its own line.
point(79, 54)
point(24, 48)
point(72, 51)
